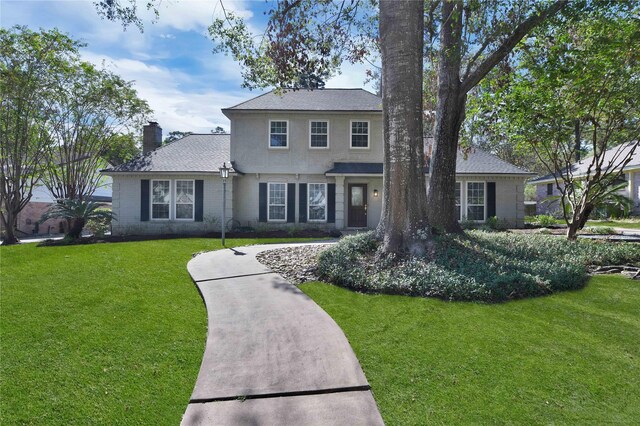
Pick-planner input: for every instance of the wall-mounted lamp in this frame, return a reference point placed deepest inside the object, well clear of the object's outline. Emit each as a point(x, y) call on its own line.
point(375, 193)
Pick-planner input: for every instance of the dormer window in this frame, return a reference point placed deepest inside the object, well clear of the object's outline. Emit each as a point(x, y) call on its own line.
point(318, 134)
point(359, 134)
point(278, 134)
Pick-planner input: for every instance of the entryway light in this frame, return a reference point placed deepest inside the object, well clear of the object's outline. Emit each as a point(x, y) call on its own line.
point(375, 193)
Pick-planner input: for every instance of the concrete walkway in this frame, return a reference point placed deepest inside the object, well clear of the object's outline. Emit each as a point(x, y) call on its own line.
point(272, 357)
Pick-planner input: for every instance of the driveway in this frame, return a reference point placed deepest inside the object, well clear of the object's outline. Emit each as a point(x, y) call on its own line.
point(272, 356)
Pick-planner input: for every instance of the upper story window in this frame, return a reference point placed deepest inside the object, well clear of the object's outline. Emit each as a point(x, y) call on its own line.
point(317, 206)
point(160, 199)
point(458, 200)
point(184, 199)
point(278, 134)
point(318, 134)
point(277, 202)
point(360, 134)
point(475, 201)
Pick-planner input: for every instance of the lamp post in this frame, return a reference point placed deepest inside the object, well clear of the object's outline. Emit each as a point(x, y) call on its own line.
point(224, 174)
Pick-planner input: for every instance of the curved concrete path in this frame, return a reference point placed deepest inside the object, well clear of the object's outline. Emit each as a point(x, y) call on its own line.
point(272, 355)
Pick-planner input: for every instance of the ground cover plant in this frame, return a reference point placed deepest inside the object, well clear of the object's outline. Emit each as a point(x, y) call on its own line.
point(475, 266)
point(570, 358)
point(101, 333)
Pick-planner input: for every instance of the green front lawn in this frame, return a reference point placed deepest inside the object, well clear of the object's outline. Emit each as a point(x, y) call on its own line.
point(569, 358)
point(102, 333)
point(630, 223)
point(622, 223)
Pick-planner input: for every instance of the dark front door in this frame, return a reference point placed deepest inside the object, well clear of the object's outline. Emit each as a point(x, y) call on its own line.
point(357, 206)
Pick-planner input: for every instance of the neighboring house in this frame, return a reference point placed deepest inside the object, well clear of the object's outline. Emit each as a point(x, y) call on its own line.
point(546, 185)
point(306, 158)
point(41, 200)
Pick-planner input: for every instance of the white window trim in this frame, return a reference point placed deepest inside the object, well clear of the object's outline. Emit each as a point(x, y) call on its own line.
point(326, 196)
point(151, 203)
point(328, 133)
point(286, 198)
point(466, 207)
point(269, 135)
point(460, 216)
point(175, 200)
point(351, 134)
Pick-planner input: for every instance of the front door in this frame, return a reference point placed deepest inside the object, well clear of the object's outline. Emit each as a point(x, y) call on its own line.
point(357, 206)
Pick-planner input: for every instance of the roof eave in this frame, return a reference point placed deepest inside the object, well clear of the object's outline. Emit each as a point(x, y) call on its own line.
point(170, 172)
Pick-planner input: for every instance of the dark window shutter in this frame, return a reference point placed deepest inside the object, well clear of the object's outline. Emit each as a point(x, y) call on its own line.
point(291, 202)
point(199, 202)
point(302, 208)
point(331, 203)
point(262, 197)
point(144, 200)
point(549, 189)
point(491, 199)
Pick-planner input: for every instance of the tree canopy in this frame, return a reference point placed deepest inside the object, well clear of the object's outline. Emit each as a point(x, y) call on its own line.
point(573, 92)
point(60, 118)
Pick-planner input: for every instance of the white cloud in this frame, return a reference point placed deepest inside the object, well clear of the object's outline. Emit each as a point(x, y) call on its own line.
point(191, 15)
point(352, 75)
point(175, 107)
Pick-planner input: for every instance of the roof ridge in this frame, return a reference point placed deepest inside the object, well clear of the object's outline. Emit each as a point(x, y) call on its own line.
point(207, 134)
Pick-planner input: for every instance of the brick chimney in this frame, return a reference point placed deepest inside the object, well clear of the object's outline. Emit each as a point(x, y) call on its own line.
point(151, 137)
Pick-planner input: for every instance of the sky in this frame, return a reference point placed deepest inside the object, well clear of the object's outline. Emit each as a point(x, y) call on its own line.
point(171, 63)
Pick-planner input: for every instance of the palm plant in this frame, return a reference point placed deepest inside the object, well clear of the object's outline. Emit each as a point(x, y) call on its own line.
point(77, 213)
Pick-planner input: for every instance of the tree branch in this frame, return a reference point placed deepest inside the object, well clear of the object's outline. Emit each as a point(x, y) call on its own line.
point(507, 45)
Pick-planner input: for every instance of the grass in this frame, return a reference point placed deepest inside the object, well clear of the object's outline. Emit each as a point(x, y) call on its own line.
point(569, 358)
point(622, 223)
point(630, 223)
point(102, 333)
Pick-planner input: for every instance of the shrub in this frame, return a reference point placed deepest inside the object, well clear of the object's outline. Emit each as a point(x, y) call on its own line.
point(600, 230)
point(477, 266)
point(544, 220)
point(99, 226)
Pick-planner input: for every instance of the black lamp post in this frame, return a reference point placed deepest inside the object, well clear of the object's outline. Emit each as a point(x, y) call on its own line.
point(224, 174)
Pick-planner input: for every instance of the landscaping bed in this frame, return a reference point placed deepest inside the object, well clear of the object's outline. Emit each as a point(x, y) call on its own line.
point(475, 266)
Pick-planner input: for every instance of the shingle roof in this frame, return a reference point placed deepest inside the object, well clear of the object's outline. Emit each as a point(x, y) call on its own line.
point(193, 153)
point(580, 168)
point(477, 162)
point(356, 169)
point(313, 100)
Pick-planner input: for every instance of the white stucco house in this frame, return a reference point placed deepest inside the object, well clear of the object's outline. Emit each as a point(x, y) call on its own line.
point(304, 158)
point(546, 185)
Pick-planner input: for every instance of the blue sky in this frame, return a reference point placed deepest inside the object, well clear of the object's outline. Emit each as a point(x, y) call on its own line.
point(170, 62)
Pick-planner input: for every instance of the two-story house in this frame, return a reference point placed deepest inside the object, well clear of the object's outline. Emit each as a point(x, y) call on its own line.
point(303, 158)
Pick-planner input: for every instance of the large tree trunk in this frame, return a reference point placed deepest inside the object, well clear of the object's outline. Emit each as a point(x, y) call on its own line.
point(404, 195)
point(449, 117)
